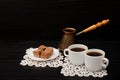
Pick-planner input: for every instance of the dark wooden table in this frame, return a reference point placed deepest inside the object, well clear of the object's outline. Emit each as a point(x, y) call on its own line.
point(12, 52)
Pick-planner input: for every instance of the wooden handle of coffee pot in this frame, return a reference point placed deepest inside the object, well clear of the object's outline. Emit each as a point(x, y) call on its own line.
point(99, 24)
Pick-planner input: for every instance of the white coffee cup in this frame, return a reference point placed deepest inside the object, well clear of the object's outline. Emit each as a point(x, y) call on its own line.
point(76, 57)
point(95, 60)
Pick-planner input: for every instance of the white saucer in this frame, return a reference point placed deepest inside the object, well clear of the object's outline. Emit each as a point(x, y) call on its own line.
point(31, 55)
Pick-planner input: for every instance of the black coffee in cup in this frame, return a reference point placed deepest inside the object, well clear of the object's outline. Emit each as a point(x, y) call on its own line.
point(77, 49)
point(94, 54)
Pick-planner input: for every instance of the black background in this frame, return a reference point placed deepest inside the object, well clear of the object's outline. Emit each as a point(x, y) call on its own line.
point(29, 23)
point(45, 19)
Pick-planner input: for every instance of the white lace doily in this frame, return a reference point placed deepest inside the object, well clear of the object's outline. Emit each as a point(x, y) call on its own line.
point(80, 70)
point(51, 63)
point(68, 69)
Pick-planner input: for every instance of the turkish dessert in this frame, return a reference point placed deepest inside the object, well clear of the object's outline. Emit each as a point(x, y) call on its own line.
point(36, 53)
point(42, 47)
point(47, 53)
point(43, 52)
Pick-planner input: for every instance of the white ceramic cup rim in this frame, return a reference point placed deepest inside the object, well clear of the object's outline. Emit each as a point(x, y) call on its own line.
point(95, 50)
point(78, 46)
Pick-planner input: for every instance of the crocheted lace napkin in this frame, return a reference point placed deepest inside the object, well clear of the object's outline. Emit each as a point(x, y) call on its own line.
point(80, 70)
point(68, 69)
point(56, 62)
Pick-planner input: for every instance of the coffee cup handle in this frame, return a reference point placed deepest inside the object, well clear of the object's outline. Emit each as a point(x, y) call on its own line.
point(105, 63)
point(65, 52)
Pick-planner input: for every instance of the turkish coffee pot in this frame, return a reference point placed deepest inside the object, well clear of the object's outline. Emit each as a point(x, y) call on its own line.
point(70, 33)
